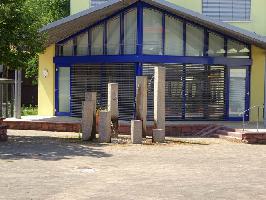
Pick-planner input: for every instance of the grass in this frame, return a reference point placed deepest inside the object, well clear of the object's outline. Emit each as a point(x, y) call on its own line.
point(29, 110)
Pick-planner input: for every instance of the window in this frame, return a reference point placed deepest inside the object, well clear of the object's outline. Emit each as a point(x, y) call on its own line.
point(64, 89)
point(152, 32)
point(227, 10)
point(194, 41)
point(113, 36)
point(82, 44)
point(173, 36)
point(237, 49)
point(97, 2)
point(67, 48)
point(216, 45)
point(130, 32)
point(237, 92)
point(97, 40)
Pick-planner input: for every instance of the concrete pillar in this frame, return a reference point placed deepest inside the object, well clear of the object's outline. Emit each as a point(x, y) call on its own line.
point(92, 96)
point(104, 126)
point(18, 80)
point(141, 102)
point(158, 135)
point(136, 131)
point(87, 120)
point(113, 105)
point(159, 98)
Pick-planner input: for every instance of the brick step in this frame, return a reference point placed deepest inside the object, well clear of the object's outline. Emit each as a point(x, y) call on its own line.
point(229, 133)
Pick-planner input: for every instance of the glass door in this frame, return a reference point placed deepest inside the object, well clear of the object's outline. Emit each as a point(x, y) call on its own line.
point(63, 91)
point(238, 93)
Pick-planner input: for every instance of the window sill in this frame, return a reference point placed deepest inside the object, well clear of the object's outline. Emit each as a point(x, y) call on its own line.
point(238, 21)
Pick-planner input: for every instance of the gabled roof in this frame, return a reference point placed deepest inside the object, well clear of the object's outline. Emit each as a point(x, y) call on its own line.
point(68, 26)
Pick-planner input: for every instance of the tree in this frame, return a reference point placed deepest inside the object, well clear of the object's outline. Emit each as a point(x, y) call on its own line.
point(20, 40)
point(47, 11)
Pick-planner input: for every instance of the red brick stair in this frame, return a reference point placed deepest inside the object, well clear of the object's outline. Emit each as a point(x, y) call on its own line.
point(3, 131)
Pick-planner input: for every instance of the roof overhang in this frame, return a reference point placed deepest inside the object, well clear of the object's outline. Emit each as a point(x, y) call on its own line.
point(70, 25)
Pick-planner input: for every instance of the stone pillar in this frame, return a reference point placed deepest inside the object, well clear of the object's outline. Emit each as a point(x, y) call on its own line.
point(136, 131)
point(141, 102)
point(158, 135)
point(104, 126)
point(113, 105)
point(92, 96)
point(159, 98)
point(87, 120)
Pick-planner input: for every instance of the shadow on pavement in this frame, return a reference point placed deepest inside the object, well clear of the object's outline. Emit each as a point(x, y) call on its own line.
point(48, 148)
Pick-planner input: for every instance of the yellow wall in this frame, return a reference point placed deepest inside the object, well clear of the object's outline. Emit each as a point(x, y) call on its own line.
point(46, 85)
point(258, 17)
point(195, 5)
point(257, 81)
point(78, 5)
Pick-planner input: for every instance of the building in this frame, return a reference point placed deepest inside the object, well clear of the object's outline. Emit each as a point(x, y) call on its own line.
point(214, 69)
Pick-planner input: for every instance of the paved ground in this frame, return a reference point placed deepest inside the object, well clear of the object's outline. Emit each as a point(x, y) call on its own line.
point(43, 165)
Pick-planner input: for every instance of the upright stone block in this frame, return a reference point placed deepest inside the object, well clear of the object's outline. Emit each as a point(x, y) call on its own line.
point(158, 135)
point(92, 96)
point(159, 98)
point(104, 126)
point(113, 105)
point(141, 102)
point(87, 120)
point(136, 131)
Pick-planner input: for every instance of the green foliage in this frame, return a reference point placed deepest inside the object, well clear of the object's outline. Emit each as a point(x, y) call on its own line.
point(20, 40)
point(29, 110)
point(47, 12)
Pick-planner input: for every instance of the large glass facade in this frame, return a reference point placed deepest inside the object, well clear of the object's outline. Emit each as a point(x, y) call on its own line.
point(163, 34)
point(67, 48)
point(82, 44)
point(152, 32)
point(173, 36)
point(130, 31)
point(202, 90)
point(237, 49)
point(216, 45)
point(97, 40)
point(194, 40)
point(113, 36)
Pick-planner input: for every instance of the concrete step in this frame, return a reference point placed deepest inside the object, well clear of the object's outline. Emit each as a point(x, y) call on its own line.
point(229, 138)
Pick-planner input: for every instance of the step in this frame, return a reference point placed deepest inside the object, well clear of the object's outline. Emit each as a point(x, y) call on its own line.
point(229, 138)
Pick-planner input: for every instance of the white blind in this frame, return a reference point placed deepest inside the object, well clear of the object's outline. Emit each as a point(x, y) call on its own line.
point(227, 10)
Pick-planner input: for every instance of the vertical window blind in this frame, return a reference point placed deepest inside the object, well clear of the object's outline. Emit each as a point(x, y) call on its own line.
point(227, 10)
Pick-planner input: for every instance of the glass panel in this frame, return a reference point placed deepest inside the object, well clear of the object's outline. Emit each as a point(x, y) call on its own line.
point(64, 89)
point(113, 36)
point(173, 36)
point(130, 32)
point(237, 49)
point(82, 44)
point(97, 40)
point(152, 32)
point(194, 41)
point(216, 45)
point(237, 92)
point(68, 48)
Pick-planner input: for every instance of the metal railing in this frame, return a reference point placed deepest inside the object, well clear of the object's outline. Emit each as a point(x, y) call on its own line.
point(258, 107)
point(7, 91)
